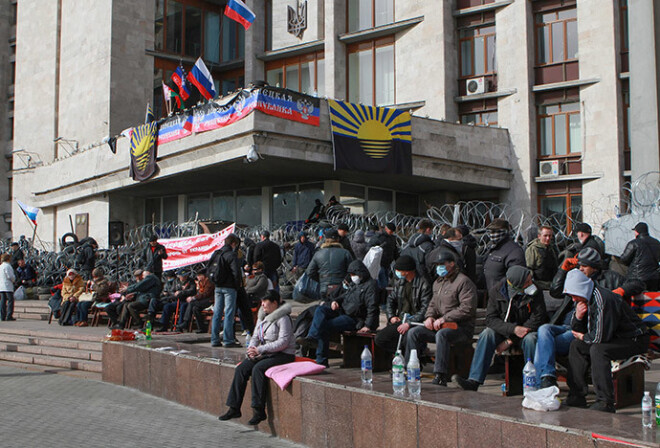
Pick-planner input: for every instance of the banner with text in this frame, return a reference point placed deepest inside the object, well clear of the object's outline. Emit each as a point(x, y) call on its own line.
point(190, 250)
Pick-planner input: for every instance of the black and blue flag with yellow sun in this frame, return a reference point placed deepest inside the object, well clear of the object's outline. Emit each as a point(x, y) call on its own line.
point(372, 139)
point(143, 148)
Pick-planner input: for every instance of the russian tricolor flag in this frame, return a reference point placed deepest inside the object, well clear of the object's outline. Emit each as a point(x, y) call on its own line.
point(30, 212)
point(202, 79)
point(238, 11)
point(180, 82)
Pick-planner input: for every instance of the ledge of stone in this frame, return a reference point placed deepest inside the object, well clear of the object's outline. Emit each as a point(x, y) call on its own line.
point(380, 31)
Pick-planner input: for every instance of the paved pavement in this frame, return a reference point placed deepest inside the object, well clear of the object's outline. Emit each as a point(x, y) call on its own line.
point(43, 409)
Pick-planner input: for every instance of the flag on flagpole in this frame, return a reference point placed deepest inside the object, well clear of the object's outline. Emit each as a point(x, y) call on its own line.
point(202, 79)
point(180, 80)
point(30, 212)
point(238, 11)
point(167, 96)
point(143, 148)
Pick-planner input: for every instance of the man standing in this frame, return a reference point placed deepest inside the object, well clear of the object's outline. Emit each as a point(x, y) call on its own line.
point(586, 239)
point(329, 264)
point(388, 242)
point(224, 270)
point(411, 295)
point(605, 329)
point(420, 246)
point(87, 258)
point(502, 253)
point(541, 258)
point(449, 318)
point(642, 256)
point(270, 255)
point(155, 253)
point(16, 254)
point(342, 230)
point(515, 311)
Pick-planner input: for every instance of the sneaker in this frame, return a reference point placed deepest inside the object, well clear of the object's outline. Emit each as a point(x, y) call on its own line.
point(548, 381)
point(231, 413)
point(258, 417)
point(232, 344)
point(323, 363)
point(10, 318)
point(466, 383)
point(216, 344)
point(576, 401)
point(603, 407)
point(440, 379)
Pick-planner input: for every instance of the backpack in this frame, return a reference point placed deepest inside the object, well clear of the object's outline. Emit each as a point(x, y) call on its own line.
point(216, 270)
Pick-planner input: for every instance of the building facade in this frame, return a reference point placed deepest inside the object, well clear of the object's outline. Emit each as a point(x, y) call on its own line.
point(518, 101)
point(7, 62)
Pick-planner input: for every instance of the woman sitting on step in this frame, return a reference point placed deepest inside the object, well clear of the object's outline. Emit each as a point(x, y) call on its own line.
point(272, 344)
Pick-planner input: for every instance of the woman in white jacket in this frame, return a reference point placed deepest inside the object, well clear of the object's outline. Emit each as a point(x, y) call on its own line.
point(271, 345)
point(7, 280)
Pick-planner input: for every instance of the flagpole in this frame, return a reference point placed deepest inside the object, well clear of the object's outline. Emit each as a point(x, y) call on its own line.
point(34, 231)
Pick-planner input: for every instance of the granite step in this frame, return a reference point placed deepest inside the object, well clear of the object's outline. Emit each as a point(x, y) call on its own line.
point(69, 333)
point(52, 361)
point(51, 342)
point(86, 355)
point(31, 316)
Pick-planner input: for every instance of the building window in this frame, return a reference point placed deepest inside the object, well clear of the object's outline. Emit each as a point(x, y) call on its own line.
point(199, 207)
point(477, 51)
point(557, 37)
point(248, 207)
point(379, 200)
point(560, 129)
point(625, 91)
point(623, 8)
point(365, 14)
point(371, 72)
point(224, 205)
point(304, 74)
point(485, 118)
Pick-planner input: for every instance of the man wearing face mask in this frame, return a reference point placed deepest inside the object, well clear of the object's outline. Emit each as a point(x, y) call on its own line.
point(502, 253)
point(452, 243)
point(450, 317)
point(411, 295)
point(356, 309)
point(516, 309)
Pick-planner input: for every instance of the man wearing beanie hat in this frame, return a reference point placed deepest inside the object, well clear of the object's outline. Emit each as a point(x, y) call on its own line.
point(449, 318)
point(411, 295)
point(516, 309)
point(329, 264)
point(342, 230)
point(302, 253)
point(555, 337)
point(605, 328)
point(503, 253)
point(642, 256)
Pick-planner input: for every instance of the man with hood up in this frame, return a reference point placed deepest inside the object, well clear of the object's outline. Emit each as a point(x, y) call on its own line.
point(359, 245)
point(419, 247)
point(605, 328)
point(355, 309)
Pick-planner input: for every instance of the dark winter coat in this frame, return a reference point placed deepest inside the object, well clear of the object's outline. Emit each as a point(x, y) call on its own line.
point(359, 245)
point(302, 254)
point(525, 310)
point(146, 289)
point(389, 245)
point(642, 256)
point(359, 301)
point(155, 257)
point(421, 293)
point(542, 261)
point(269, 254)
point(329, 265)
point(470, 257)
point(455, 299)
point(500, 258)
point(231, 276)
point(86, 258)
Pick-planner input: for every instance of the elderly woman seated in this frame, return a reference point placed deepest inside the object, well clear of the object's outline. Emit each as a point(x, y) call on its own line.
point(272, 344)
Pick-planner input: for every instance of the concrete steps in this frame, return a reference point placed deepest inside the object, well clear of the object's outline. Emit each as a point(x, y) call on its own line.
point(31, 309)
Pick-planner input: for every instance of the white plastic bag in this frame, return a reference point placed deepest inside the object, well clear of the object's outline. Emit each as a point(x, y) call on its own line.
point(542, 399)
point(19, 294)
point(372, 261)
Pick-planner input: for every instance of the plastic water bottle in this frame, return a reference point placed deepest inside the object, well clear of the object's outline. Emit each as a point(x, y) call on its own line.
point(657, 405)
point(398, 377)
point(367, 369)
point(147, 331)
point(414, 375)
point(647, 410)
point(248, 337)
point(529, 377)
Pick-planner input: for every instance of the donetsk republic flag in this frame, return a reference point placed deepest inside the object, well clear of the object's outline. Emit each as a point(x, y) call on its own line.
point(143, 148)
point(372, 139)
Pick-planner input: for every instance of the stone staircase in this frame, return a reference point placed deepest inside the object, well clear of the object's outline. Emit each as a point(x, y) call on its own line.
point(31, 309)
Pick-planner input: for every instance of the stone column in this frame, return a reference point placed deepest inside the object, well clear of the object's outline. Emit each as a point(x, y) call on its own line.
point(255, 43)
point(335, 51)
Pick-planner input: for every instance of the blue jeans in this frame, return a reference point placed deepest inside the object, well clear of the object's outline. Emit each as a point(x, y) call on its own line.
point(486, 345)
point(168, 310)
point(552, 340)
point(325, 322)
point(225, 299)
point(82, 311)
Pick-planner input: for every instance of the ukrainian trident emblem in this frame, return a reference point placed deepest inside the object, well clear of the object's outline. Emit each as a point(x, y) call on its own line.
point(297, 19)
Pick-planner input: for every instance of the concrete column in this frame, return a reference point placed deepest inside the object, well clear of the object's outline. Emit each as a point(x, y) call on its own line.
point(516, 112)
point(182, 203)
point(601, 109)
point(330, 188)
point(266, 206)
point(335, 51)
point(644, 80)
point(255, 42)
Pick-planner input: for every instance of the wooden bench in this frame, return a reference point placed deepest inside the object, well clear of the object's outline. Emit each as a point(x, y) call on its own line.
point(352, 345)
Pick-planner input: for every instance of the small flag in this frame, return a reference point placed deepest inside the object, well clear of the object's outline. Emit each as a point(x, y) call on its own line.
point(238, 11)
point(202, 79)
point(30, 212)
point(180, 81)
point(167, 92)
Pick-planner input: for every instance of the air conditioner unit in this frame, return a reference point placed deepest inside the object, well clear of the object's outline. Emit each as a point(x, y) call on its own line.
point(475, 86)
point(549, 168)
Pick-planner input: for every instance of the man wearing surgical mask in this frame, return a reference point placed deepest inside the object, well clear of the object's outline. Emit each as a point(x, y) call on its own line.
point(516, 309)
point(411, 296)
point(449, 318)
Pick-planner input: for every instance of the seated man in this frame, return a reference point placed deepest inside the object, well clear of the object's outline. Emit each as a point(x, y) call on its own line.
point(411, 295)
point(25, 275)
point(355, 308)
point(137, 297)
point(101, 288)
point(450, 316)
point(178, 287)
point(555, 337)
point(195, 304)
point(116, 310)
point(605, 329)
point(515, 311)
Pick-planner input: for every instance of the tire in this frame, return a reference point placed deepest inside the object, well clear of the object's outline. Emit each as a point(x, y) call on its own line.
point(65, 243)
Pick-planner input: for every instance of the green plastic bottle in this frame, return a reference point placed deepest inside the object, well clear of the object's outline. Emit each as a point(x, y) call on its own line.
point(147, 331)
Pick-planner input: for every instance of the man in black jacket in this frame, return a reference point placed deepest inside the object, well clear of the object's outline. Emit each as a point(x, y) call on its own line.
point(469, 252)
point(270, 254)
point(605, 329)
point(344, 240)
point(502, 253)
point(86, 258)
point(354, 309)
point(642, 256)
point(138, 296)
point(515, 311)
point(155, 253)
point(420, 246)
point(411, 295)
point(224, 270)
point(585, 238)
point(174, 291)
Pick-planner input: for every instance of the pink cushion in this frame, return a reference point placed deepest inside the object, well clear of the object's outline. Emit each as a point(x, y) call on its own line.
point(285, 373)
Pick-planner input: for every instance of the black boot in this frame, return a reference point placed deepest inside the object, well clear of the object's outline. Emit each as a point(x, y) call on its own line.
point(258, 417)
point(231, 413)
point(440, 379)
point(466, 384)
